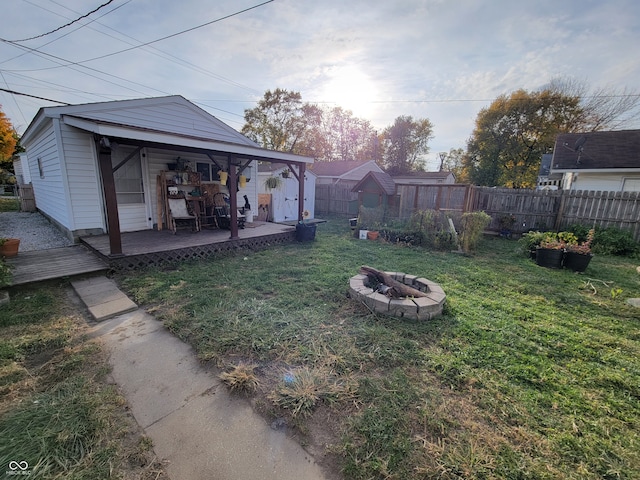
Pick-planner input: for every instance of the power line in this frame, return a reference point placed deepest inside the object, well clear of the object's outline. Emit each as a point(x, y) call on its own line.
point(13, 92)
point(65, 25)
point(182, 32)
point(66, 34)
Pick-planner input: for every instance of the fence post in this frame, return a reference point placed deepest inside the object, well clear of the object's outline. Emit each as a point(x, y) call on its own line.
point(560, 213)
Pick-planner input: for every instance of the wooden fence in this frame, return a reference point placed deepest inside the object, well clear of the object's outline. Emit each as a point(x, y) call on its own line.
point(532, 209)
point(336, 199)
point(27, 199)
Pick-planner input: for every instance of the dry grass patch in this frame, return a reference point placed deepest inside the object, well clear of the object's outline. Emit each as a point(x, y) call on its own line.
point(241, 378)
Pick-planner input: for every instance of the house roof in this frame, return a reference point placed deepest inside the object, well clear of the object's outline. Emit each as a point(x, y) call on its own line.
point(171, 120)
point(383, 180)
point(338, 168)
point(597, 151)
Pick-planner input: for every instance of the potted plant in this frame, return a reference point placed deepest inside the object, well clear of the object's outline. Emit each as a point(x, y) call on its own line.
point(550, 253)
point(578, 255)
point(530, 241)
point(305, 232)
point(271, 183)
point(285, 173)
point(9, 247)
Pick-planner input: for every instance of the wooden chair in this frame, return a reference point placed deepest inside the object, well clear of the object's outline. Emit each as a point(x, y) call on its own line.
point(179, 213)
point(222, 211)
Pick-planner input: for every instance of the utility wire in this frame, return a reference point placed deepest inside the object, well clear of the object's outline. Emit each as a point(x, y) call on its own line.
point(66, 34)
point(13, 92)
point(63, 26)
point(182, 32)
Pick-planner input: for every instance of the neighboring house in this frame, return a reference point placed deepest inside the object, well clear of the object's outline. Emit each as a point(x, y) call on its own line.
point(546, 180)
point(94, 167)
point(283, 201)
point(425, 178)
point(346, 173)
point(605, 161)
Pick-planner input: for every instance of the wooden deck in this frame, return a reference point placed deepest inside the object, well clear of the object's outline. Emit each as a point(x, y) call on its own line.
point(40, 265)
point(152, 247)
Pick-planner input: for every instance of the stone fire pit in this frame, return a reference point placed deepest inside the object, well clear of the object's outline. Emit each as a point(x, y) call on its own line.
point(418, 308)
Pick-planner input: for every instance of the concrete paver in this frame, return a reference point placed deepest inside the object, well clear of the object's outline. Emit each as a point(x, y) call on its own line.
point(195, 424)
point(102, 297)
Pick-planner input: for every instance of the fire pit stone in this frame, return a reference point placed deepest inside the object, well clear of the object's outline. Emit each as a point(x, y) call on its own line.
point(418, 308)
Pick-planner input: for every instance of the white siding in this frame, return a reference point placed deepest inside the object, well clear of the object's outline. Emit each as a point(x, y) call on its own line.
point(598, 181)
point(82, 175)
point(48, 188)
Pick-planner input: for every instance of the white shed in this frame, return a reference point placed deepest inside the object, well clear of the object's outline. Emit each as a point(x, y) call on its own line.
point(284, 198)
point(94, 166)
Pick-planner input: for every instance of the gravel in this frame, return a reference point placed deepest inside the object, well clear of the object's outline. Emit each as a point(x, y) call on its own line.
point(34, 231)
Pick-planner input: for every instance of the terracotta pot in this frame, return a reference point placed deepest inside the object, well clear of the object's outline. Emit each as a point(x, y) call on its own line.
point(10, 247)
point(372, 235)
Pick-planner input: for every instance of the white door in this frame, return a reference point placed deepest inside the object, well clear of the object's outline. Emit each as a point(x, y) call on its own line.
point(130, 189)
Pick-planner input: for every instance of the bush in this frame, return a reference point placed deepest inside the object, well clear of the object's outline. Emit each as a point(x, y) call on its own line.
point(614, 241)
point(472, 225)
point(370, 218)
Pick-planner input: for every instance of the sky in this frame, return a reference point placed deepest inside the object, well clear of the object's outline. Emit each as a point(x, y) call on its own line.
point(443, 60)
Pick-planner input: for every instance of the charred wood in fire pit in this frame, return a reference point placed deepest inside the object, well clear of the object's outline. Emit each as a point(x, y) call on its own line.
point(396, 289)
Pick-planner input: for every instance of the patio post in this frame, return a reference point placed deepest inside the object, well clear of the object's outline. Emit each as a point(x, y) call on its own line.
point(301, 170)
point(233, 198)
point(109, 190)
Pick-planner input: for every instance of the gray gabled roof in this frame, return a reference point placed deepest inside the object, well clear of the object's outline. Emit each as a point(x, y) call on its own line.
point(597, 151)
point(171, 120)
point(382, 179)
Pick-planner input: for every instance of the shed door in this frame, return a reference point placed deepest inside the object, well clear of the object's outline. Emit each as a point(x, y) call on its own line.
point(130, 190)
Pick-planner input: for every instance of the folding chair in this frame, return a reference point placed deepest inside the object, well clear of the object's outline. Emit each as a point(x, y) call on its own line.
point(179, 210)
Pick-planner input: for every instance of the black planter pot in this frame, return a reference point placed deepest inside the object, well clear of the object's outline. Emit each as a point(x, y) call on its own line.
point(578, 262)
point(305, 232)
point(549, 257)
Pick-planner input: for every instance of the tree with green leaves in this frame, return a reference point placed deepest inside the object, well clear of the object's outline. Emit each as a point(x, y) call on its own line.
point(405, 144)
point(454, 162)
point(511, 135)
point(280, 120)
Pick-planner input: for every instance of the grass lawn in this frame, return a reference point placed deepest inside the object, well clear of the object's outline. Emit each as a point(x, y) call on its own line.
point(530, 372)
point(60, 417)
point(9, 204)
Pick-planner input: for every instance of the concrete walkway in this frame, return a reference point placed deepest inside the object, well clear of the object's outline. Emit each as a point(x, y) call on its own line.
point(195, 424)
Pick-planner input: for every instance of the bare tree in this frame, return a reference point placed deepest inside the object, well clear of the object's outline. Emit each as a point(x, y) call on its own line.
point(605, 108)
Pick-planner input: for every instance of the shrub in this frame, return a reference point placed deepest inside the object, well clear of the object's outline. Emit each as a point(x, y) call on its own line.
point(370, 218)
point(472, 225)
point(614, 241)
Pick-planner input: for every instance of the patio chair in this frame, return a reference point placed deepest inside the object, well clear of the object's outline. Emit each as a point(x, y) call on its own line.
point(179, 209)
point(222, 211)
